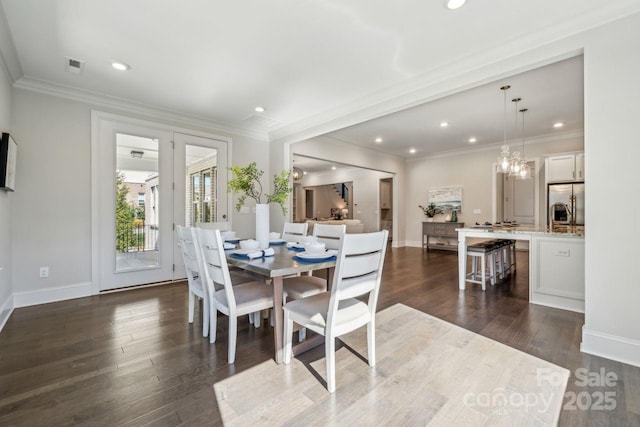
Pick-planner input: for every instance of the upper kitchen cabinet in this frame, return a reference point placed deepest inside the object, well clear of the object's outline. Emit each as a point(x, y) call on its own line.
point(565, 167)
point(385, 195)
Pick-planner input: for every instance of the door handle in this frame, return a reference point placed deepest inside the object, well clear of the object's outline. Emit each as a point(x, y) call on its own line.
point(224, 216)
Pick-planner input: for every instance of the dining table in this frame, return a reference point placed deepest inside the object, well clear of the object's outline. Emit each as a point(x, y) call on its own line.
point(272, 269)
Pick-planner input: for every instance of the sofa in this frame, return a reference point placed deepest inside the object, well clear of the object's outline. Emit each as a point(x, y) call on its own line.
point(353, 225)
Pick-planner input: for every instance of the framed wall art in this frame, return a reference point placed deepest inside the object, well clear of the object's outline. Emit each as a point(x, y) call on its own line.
point(447, 199)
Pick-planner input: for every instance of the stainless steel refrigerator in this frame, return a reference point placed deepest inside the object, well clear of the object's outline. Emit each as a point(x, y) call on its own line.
point(566, 204)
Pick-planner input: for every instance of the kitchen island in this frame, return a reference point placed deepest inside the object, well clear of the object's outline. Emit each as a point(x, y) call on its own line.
point(556, 262)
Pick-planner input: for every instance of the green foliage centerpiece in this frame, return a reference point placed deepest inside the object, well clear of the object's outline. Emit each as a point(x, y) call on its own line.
point(245, 181)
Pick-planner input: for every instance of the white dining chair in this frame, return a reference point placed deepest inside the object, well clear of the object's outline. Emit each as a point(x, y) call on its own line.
point(190, 255)
point(293, 231)
point(305, 285)
point(220, 225)
point(233, 301)
point(329, 234)
point(336, 312)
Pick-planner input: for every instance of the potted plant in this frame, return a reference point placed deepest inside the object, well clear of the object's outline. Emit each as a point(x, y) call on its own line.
point(245, 181)
point(430, 211)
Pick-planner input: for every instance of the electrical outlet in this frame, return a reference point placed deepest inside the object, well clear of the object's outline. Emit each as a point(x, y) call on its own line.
point(44, 271)
point(476, 212)
point(244, 210)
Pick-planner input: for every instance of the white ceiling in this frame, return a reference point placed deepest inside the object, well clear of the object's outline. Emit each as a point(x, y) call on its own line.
point(551, 94)
point(300, 59)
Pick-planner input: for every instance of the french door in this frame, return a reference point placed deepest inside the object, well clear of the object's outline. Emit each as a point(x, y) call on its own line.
point(146, 179)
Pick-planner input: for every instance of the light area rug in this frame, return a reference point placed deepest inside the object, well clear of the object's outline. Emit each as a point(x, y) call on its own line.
point(428, 372)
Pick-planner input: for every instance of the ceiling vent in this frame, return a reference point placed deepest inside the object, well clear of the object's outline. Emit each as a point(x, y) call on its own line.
point(74, 66)
point(260, 121)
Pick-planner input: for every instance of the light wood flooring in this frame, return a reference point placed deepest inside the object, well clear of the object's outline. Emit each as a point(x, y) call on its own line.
point(130, 358)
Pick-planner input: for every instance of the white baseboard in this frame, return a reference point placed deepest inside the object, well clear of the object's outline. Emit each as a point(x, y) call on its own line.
point(43, 296)
point(554, 301)
point(5, 311)
point(611, 347)
point(413, 243)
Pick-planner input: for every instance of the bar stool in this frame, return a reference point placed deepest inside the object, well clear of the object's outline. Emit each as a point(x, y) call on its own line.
point(485, 251)
point(508, 257)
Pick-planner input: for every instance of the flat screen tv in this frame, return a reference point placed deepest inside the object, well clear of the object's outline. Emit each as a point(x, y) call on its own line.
point(8, 155)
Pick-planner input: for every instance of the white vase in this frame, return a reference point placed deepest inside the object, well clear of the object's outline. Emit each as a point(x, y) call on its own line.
point(429, 219)
point(262, 225)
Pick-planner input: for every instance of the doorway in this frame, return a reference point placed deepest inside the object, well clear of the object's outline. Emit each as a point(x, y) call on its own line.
point(517, 200)
point(386, 205)
point(146, 178)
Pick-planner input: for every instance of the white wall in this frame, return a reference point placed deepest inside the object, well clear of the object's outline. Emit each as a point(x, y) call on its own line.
point(6, 200)
point(473, 171)
point(366, 194)
point(612, 150)
point(332, 150)
point(52, 209)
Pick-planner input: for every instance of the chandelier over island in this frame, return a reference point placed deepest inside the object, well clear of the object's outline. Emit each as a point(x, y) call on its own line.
point(508, 162)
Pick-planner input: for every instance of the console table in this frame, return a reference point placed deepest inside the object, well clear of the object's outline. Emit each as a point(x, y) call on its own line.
point(445, 232)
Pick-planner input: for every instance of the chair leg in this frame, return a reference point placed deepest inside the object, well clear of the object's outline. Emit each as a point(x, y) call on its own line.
point(257, 319)
point(288, 332)
point(492, 268)
point(205, 319)
point(233, 334)
point(213, 324)
point(330, 357)
point(371, 341)
point(302, 334)
point(192, 304)
point(251, 318)
point(483, 271)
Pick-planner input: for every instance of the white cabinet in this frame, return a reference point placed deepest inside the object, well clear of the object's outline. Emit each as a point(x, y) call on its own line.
point(385, 195)
point(558, 272)
point(580, 166)
point(565, 167)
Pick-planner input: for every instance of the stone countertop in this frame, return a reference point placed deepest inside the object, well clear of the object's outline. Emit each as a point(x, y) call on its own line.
point(568, 232)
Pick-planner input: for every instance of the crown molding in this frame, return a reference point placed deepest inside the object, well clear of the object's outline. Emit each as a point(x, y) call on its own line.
point(544, 47)
point(108, 101)
point(8, 54)
point(541, 139)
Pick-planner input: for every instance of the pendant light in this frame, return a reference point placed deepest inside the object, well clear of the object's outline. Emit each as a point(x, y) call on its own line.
point(504, 160)
point(516, 162)
point(525, 169)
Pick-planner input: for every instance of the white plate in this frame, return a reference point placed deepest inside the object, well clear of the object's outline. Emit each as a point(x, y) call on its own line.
point(245, 251)
point(327, 254)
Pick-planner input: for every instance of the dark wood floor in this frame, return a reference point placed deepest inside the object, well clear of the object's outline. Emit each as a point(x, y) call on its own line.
point(131, 358)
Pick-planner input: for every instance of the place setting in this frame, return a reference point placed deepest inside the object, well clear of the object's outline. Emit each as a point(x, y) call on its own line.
point(300, 246)
point(315, 252)
point(229, 239)
point(275, 240)
point(250, 249)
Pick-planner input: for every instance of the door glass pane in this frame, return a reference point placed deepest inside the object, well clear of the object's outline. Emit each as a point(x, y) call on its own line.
point(200, 171)
point(206, 196)
point(137, 204)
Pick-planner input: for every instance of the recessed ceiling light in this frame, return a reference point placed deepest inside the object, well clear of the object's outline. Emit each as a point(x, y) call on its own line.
point(454, 4)
point(378, 140)
point(333, 168)
point(558, 125)
point(304, 173)
point(472, 140)
point(412, 150)
point(444, 124)
point(120, 66)
point(259, 109)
